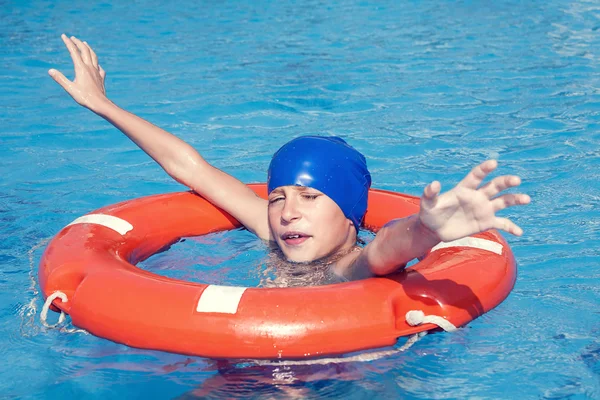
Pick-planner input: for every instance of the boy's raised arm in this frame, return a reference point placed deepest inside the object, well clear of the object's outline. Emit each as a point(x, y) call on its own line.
point(180, 160)
point(465, 210)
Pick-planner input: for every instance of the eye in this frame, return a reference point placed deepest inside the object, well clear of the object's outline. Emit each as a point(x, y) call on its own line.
point(275, 199)
point(309, 196)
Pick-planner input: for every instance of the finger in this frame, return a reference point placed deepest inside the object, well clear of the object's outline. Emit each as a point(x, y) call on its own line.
point(430, 193)
point(60, 79)
point(507, 225)
point(478, 174)
point(85, 52)
point(432, 190)
point(92, 54)
point(102, 72)
point(509, 200)
point(499, 184)
point(75, 55)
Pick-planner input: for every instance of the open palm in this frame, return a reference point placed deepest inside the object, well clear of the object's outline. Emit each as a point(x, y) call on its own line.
point(87, 88)
point(467, 208)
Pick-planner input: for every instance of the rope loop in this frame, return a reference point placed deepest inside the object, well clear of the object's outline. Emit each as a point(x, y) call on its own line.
point(418, 317)
point(46, 307)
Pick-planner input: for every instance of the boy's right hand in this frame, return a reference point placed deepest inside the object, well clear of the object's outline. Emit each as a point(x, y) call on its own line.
point(87, 88)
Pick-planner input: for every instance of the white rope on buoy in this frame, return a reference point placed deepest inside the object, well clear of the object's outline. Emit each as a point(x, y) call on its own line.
point(418, 317)
point(61, 319)
point(412, 340)
point(46, 307)
point(364, 357)
point(29, 312)
point(413, 318)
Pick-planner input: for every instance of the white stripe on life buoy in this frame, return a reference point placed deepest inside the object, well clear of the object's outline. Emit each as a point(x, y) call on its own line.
point(220, 299)
point(115, 223)
point(476, 243)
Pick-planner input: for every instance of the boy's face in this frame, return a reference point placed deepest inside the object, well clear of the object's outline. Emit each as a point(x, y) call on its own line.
point(307, 225)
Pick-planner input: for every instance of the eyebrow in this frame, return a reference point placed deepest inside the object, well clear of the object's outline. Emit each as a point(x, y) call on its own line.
point(295, 187)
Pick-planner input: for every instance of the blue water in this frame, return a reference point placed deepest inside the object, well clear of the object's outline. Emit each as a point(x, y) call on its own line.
point(424, 89)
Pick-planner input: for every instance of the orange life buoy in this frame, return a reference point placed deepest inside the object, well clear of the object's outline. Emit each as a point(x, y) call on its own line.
point(92, 261)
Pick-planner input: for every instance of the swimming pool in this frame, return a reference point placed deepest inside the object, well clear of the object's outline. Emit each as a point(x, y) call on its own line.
point(424, 89)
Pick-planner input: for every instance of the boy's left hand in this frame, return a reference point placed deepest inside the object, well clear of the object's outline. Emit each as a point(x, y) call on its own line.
point(467, 209)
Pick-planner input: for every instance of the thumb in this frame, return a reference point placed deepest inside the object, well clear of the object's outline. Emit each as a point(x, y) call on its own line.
point(429, 198)
point(431, 191)
point(60, 79)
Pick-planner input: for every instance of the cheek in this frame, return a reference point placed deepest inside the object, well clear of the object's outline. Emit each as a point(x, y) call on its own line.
point(331, 221)
point(272, 221)
point(272, 214)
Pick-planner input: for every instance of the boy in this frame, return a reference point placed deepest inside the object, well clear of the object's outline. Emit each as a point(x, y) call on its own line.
point(317, 188)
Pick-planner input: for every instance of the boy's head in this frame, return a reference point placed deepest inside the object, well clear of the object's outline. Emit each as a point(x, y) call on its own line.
point(300, 173)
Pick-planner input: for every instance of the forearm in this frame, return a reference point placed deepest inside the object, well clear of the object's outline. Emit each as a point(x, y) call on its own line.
point(183, 163)
point(171, 153)
point(397, 243)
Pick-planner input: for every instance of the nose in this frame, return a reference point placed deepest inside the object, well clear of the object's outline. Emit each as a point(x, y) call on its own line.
point(290, 211)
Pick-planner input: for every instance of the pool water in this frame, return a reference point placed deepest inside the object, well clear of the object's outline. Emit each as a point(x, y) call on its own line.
point(425, 90)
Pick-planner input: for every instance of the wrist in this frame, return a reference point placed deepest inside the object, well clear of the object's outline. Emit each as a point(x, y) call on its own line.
point(102, 107)
point(428, 237)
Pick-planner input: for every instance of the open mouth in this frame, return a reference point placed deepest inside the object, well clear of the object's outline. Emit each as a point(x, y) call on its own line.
point(294, 238)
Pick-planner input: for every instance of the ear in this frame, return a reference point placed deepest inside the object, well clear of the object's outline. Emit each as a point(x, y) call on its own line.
point(351, 226)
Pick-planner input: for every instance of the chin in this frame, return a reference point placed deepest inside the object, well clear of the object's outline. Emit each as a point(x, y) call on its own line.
point(297, 256)
point(300, 259)
point(294, 255)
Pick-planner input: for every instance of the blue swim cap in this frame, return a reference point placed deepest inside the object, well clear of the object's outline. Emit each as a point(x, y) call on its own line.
point(328, 164)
